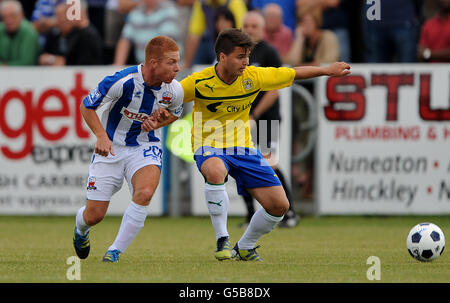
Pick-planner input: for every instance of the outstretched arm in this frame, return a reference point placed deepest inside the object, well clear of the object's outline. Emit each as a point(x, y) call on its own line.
point(337, 69)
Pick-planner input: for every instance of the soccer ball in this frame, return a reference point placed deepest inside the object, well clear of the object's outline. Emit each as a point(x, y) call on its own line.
point(425, 242)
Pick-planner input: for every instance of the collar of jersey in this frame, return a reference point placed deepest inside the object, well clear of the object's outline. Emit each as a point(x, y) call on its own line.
point(141, 79)
point(146, 86)
point(221, 78)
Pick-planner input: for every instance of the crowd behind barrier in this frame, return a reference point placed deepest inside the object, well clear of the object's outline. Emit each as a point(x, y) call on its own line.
point(303, 31)
point(112, 33)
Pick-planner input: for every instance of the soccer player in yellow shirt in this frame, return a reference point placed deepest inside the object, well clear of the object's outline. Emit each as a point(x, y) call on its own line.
point(221, 140)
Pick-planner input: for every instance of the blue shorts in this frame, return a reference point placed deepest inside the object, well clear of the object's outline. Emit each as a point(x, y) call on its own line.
point(247, 166)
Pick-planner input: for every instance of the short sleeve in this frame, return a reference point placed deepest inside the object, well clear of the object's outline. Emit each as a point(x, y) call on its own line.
point(105, 92)
point(188, 85)
point(271, 78)
point(176, 106)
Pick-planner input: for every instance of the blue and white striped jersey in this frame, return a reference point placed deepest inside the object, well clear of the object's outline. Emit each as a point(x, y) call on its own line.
point(129, 101)
point(45, 9)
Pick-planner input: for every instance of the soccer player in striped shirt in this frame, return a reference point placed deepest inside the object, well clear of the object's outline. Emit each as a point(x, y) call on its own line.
point(123, 150)
point(222, 145)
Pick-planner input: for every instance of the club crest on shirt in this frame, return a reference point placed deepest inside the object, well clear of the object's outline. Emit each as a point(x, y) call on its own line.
point(166, 98)
point(248, 84)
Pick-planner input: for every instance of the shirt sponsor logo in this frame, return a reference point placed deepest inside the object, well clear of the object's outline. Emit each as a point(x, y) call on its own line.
point(133, 116)
point(213, 106)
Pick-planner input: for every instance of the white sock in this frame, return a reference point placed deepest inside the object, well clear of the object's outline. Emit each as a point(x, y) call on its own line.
point(261, 223)
point(217, 203)
point(82, 227)
point(132, 222)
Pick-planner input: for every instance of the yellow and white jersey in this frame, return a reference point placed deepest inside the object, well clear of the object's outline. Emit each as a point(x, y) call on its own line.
point(221, 111)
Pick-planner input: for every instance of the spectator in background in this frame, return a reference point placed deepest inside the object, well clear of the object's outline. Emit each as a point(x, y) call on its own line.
point(96, 13)
point(224, 19)
point(430, 8)
point(336, 17)
point(19, 42)
point(288, 7)
point(43, 17)
point(73, 42)
point(184, 14)
point(199, 46)
point(434, 44)
point(152, 18)
point(394, 37)
point(276, 33)
point(312, 45)
point(115, 16)
point(126, 6)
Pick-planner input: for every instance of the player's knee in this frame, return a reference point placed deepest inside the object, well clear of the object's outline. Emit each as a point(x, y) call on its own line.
point(215, 177)
point(280, 208)
point(93, 217)
point(143, 196)
point(214, 171)
point(285, 207)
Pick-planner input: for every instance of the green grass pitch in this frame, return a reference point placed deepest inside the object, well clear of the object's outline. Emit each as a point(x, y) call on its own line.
point(319, 249)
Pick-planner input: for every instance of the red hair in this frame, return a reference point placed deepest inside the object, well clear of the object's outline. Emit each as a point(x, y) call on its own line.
point(159, 45)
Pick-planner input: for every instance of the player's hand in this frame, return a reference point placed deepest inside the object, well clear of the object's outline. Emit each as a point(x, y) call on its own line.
point(161, 115)
point(155, 120)
point(338, 69)
point(103, 147)
point(151, 123)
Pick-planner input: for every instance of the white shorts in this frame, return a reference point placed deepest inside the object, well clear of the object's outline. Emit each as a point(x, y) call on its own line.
point(106, 174)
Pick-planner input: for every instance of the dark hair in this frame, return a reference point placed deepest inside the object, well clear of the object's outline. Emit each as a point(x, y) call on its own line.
point(230, 38)
point(226, 14)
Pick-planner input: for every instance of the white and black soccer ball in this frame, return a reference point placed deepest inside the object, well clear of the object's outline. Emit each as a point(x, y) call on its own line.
point(425, 242)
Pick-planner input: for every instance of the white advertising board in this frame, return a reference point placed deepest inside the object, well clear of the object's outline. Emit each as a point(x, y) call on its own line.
point(384, 141)
point(45, 146)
